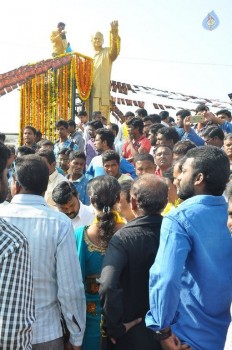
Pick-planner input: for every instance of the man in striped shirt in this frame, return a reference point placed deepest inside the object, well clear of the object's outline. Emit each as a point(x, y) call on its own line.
point(56, 270)
point(17, 312)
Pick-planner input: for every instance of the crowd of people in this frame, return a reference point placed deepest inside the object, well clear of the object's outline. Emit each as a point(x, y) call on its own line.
point(118, 237)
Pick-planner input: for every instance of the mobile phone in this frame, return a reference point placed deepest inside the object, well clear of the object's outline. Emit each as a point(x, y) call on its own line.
point(198, 118)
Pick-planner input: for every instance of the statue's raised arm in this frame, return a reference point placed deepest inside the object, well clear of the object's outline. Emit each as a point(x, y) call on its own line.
point(114, 27)
point(103, 59)
point(114, 40)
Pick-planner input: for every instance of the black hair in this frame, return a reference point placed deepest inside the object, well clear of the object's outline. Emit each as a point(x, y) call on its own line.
point(4, 156)
point(141, 112)
point(201, 108)
point(214, 164)
point(126, 188)
point(129, 114)
point(168, 174)
point(30, 128)
point(147, 118)
point(144, 156)
point(78, 154)
point(63, 123)
point(114, 127)
point(183, 113)
point(106, 135)
point(136, 123)
point(151, 193)
point(156, 118)
point(2, 137)
point(82, 114)
point(158, 146)
point(110, 155)
point(38, 133)
point(104, 192)
point(63, 192)
point(32, 173)
point(60, 24)
point(214, 131)
point(224, 111)
point(24, 150)
point(171, 120)
point(46, 143)
point(49, 155)
point(96, 124)
point(164, 115)
point(182, 147)
point(65, 152)
point(155, 127)
point(71, 122)
point(169, 133)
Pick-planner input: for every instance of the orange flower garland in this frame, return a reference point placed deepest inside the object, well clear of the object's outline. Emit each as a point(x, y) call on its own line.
point(49, 95)
point(83, 67)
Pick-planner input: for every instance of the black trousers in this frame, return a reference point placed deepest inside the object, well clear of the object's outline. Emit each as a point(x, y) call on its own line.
point(138, 338)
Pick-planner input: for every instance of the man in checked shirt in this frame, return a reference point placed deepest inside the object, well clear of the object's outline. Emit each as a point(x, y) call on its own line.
point(17, 312)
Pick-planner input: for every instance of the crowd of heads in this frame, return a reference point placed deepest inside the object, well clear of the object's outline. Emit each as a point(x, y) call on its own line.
point(171, 157)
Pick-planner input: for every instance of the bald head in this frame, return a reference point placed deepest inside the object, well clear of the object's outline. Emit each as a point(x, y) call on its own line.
point(150, 193)
point(97, 40)
point(98, 34)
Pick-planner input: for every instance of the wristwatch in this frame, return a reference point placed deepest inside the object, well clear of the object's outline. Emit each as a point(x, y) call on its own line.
point(163, 334)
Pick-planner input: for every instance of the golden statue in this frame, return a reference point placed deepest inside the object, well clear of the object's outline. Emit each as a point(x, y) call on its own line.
point(103, 59)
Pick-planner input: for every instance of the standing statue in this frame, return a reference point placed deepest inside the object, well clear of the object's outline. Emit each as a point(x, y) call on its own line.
point(103, 59)
point(58, 39)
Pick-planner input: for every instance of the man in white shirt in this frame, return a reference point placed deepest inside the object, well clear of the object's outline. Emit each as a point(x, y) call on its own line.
point(55, 266)
point(83, 125)
point(66, 198)
point(54, 176)
point(118, 144)
point(17, 311)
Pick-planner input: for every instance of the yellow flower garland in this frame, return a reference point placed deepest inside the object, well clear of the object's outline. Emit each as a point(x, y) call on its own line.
point(48, 96)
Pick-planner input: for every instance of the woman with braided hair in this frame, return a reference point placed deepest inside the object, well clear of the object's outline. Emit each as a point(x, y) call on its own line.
point(92, 241)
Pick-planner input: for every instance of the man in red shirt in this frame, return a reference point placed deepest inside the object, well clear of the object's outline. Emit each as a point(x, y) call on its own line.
point(137, 142)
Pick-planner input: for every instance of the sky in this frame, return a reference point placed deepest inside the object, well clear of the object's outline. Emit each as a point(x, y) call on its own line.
point(163, 43)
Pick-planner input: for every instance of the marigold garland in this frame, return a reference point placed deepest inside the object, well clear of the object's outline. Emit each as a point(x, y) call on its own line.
point(83, 68)
point(49, 95)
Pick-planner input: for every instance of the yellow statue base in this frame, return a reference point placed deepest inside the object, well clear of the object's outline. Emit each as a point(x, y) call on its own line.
point(97, 106)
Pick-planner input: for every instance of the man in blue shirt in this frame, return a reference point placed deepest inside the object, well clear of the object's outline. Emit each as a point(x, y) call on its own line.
point(191, 279)
point(77, 177)
point(104, 141)
point(210, 120)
